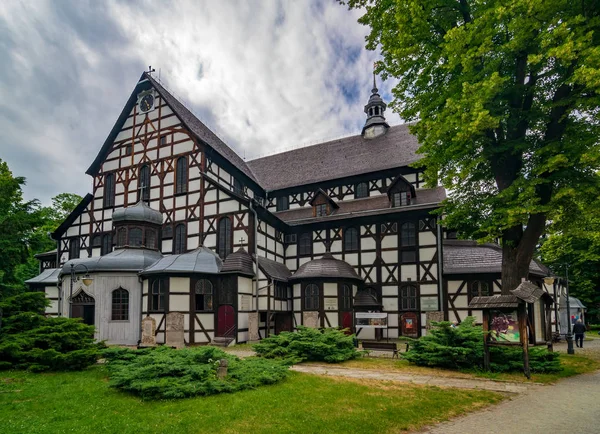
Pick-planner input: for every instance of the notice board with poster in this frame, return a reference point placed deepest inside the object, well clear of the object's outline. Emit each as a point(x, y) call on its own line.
point(371, 319)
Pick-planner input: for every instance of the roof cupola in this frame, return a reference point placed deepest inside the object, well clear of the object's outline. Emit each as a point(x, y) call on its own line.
point(376, 124)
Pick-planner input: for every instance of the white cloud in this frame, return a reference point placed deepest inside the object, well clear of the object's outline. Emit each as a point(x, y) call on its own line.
point(265, 75)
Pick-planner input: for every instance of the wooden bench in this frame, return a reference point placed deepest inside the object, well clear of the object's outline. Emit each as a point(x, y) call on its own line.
point(381, 346)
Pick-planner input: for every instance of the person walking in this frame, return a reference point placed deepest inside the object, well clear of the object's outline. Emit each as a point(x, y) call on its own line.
point(579, 329)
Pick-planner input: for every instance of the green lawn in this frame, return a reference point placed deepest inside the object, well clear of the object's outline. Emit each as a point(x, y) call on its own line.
point(82, 402)
point(572, 365)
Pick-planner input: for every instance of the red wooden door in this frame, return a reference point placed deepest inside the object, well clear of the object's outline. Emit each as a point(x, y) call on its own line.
point(410, 325)
point(225, 320)
point(346, 321)
point(283, 322)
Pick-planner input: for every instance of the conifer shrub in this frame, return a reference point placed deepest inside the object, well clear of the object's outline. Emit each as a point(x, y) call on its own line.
point(461, 347)
point(166, 373)
point(309, 344)
point(448, 347)
point(29, 340)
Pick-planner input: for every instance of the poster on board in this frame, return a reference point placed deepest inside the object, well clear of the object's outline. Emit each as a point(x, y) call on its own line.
point(504, 326)
point(371, 319)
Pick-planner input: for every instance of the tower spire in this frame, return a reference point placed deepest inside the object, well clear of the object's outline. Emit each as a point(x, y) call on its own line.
point(376, 124)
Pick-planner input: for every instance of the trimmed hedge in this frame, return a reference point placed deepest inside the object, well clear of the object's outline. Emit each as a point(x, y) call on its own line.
point(309, 344)
point(166, 373)
point(461, 347)
point(29, 340)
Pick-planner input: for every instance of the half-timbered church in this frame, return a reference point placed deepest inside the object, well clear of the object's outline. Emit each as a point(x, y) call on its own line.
point(178, 222)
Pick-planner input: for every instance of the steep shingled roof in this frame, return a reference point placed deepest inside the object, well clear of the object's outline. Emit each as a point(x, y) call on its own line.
point(340, 158)
point(464, 256)
point(274, 270)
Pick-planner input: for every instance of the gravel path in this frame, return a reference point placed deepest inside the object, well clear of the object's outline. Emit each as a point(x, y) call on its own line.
point(570, 406)
point(430, 380)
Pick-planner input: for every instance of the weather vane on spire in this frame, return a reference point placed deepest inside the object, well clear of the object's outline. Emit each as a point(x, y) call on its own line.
point(151, 70)
point(374, 84)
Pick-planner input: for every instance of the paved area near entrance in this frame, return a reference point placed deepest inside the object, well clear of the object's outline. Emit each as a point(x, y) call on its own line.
point(570, 406)
point(429, 380)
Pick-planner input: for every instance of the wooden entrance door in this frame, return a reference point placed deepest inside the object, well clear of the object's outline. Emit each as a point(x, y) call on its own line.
point(225, 321)
point(84, 306)
point(283, 322)
point(410, 324)
point(346, 321)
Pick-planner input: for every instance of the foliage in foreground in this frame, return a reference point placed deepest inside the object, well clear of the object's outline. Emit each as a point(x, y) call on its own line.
point(165, 373)
point(461, 347)
point(29, 340)
point(308, 344)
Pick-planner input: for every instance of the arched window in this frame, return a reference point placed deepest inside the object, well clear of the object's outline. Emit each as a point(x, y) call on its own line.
point(167, 231)
point(311, 297)
point(238, 188)
point(150, 239)
point(135, 237)
point(144, 183)
point(351, 240)
point(74, 248)
point(305, 243)
point(120, 305)
point(97, 241)
point(181, 176)
point(109, 191)
point(479, 289)
point(408, 297)
point(203, 295)
point(158, 290)
point(224, 245)
point(179, 243)
point(361, 190)
point(122, 237)
point(106, 247)
point(345, 297)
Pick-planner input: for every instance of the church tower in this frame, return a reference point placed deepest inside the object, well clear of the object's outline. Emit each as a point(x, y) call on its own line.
point(376, 124)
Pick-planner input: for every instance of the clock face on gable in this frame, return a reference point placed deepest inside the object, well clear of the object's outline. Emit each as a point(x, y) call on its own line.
point(146, 102)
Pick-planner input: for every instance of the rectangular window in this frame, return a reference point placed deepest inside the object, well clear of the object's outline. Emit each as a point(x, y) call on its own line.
point(109, 191)
point(128, 149)
point(311, 297)
point(408, 297)
point(74, 248)
point(290, 238)
point(400, 198)
point(408, 256)
point(283, 203)
point(163, 140)
point(238, 188)
point(321, 210)
point(281, 292)
point(106, 244)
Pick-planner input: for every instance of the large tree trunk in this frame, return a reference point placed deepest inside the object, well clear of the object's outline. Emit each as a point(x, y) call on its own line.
point(518, 247)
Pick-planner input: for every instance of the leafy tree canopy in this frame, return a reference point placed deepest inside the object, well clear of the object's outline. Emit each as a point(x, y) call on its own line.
point(505, 99)
point(24, 228)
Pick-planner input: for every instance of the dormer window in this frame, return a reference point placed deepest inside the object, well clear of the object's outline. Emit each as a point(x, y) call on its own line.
point(401, 192)
point(321, 210)
point(400, 198)
point(322, 204)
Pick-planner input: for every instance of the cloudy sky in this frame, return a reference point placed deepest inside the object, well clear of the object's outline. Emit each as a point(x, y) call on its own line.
point(266, 76)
